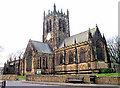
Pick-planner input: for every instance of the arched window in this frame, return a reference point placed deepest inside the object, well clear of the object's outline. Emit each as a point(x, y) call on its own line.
point(50, 25)
point(64, 26)
point(29, 61)
point(99, 50)
point(61, 58)
point(40, 63)
point(82, 55)
point(47, 30)
point(44, 64)
point(60, 24)
point(71, 57)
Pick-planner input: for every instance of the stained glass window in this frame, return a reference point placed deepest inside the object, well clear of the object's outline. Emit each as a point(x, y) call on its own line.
point(71, 57)
point(99, 50)
point(82, 55)
point(61, 58)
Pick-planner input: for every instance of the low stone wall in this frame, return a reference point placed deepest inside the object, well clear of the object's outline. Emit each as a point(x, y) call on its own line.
point(62, 78)
point(9, 77)
point(108, 80)
point(54, 78)
point(46, 78)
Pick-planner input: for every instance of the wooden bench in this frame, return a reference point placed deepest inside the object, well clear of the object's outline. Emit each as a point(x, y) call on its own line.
point(75, 79)
point(2, 83)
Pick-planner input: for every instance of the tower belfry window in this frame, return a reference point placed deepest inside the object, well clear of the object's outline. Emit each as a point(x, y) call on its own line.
point(60, 24)
point(47, 27)
point(64, 26)
point(50, 25)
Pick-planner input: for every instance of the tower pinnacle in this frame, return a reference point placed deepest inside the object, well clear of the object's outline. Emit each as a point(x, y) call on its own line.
point(44, 14)
point(54, 7)
point(67, 13)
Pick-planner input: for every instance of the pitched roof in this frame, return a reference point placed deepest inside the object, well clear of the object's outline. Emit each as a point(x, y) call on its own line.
point(41, 47)
point(81, 37)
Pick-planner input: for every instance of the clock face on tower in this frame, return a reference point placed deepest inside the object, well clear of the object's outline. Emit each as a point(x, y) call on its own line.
point(48, 36)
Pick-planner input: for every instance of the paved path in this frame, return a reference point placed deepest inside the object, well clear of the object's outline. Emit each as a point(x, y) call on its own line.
point(34, 84)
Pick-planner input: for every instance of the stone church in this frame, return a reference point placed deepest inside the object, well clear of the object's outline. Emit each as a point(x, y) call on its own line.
point(60, 53)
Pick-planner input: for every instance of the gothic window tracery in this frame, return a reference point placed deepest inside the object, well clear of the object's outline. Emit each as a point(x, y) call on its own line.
point(46, 63)
point(62, 25)
point(47, 30)
point(61, 58)
point(29, 61)
point(82, 55)
point(50, 25)
point(99, 50)
point(37, 63)
point(43, 62)
point(40, 63)
point(71, 57)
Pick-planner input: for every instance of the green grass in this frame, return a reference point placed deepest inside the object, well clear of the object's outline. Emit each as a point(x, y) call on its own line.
point(108, 74)
point(23, 77)
point(103, 74)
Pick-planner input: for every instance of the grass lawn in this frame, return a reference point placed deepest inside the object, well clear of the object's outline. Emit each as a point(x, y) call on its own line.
point(108, 74)
point(103, 74)
point(23, 77)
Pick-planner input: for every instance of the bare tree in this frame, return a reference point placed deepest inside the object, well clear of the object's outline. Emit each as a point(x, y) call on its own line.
point(20, 53)
point(13, 57)
point(114, 52)
point(114, 49)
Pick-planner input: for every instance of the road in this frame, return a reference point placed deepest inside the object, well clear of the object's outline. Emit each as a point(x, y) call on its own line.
point(20, 84)
point(35, 84)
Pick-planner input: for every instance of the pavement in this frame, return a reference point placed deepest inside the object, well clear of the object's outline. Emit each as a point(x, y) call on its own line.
point(73, 84)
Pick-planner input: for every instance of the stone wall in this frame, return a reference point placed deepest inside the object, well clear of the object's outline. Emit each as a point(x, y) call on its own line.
point(55, 78)
point(108, 80)
point(9, 77)
point(46, 78)
point(63, 78)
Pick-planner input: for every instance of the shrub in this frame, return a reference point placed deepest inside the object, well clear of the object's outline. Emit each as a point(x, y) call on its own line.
point(106, 70)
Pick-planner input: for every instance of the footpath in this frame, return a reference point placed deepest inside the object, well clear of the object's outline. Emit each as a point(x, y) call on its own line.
point(73, 84)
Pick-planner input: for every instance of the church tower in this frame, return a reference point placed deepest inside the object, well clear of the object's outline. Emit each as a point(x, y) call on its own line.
point(55, 27)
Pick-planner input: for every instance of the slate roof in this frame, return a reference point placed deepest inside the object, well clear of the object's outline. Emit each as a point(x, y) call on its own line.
point(41, 47)
point(81, 37)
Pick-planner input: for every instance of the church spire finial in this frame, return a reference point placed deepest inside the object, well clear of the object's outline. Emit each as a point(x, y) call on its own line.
point(61, 11)
point(96, 26)
point(54, 7)
point(75, 41)
point(89, 34)
point(64, 44)
point(103, 36)
point(67, 13)
point(44, 14)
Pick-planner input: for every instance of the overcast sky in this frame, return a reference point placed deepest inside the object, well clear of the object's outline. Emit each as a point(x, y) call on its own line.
point(21, 20)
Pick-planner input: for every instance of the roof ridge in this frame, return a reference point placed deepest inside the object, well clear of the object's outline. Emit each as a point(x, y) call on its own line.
point(80, 33)
point(35, 41)
point(81, 37)
point(38, 41)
